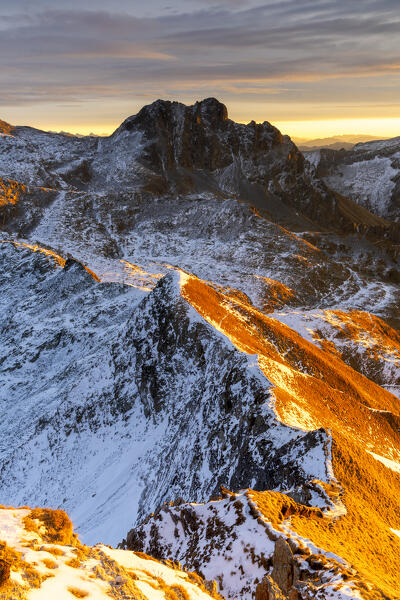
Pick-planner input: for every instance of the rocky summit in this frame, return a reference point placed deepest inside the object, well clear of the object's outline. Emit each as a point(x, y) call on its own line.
point(200, 363)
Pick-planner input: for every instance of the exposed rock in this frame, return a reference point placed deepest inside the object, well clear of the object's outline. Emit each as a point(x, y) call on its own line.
point(149, 367)
point(283, 566)
point(268, 589)
point(169, 148)
point(120, 399)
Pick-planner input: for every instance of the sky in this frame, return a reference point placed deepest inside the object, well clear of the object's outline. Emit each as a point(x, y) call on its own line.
point(314, 68)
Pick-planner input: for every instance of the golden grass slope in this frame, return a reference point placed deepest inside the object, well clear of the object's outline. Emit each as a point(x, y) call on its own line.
point(364, 341)
point(315, 388)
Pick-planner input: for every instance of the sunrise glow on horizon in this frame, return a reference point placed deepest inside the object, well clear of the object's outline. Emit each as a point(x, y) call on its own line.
point(312, 69)
point(304, 129)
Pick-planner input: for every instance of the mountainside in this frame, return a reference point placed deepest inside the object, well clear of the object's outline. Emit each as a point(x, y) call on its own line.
point(162, 368)
point(168, 150)
point(182, 403)
point(232, 541)
point(369, 174)
point(186, 305)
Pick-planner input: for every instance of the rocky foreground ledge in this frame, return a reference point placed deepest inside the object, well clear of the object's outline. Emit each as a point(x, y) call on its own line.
point(42, 558)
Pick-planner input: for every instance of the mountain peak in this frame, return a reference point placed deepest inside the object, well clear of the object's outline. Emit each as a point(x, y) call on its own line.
point(208, 111)
point(211, 110)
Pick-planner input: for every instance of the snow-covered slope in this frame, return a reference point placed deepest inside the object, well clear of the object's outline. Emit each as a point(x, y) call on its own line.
point(229, 540)
point(112, 403)
point(42, 559)
point(126, 399)
point(313, 388)
point(186, 186)
point(170, 150)
point(369, 174)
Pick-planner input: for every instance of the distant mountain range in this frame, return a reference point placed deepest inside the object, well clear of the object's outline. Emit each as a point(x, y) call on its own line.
point(335, 142)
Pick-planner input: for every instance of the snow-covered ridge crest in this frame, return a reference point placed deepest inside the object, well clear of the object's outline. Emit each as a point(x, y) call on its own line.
point(234, 540)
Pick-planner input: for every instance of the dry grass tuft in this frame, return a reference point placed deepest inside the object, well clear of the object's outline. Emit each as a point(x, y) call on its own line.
point(180, 592)
point(77, 592)
point(277, 507)
point(27, 570)
point(146, 556)
point(54, 526)
point(9, 555)
point(52, 550)
point(30, 575)
point(208, 587)
point(75, 563)
point(50, 564)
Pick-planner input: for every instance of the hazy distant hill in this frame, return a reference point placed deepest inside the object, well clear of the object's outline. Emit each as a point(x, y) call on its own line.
point(335, 142)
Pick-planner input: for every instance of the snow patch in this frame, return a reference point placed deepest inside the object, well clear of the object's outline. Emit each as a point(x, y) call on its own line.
point(390, 464)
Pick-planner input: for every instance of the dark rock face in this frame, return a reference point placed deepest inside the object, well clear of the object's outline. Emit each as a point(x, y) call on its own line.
point(328, 160)
point(201, 136)
point(197, 148)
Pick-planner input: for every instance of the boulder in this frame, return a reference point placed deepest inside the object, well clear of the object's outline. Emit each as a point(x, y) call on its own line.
point(283, 566)
point(268, 590)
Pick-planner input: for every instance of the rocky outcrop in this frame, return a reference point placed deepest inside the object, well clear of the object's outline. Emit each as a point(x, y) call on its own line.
point(268, 589)
point(244, 549)
point(201, 137)
point(199, 149)
point(367, 174)
point(285, 581)
point(283, 572)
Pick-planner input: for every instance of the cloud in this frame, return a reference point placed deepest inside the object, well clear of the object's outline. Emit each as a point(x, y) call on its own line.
point(280, 48)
